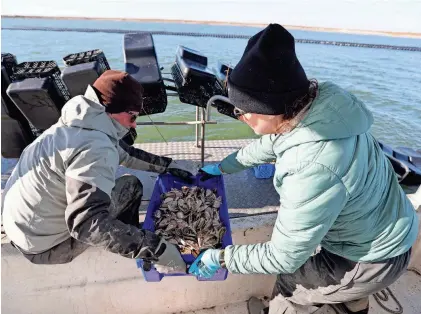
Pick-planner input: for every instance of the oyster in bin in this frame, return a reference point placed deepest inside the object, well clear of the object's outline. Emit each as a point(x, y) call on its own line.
point(189, 218)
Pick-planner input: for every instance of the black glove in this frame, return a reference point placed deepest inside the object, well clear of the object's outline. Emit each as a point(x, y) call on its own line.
point(167, 259)
point(183, 169)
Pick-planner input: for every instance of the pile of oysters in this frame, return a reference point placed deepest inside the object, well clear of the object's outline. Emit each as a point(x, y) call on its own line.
point(189, 218)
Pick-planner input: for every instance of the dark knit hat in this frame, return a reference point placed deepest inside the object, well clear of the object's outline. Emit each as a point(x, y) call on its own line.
point(268, 78)
point(118, 92)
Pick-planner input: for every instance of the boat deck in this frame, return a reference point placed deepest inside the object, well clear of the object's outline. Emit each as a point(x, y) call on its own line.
point(101, 282)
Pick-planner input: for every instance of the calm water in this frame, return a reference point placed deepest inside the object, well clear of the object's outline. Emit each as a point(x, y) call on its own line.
point(387, 81)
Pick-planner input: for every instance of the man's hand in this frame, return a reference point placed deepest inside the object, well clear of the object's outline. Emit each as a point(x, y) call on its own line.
point(169, 259)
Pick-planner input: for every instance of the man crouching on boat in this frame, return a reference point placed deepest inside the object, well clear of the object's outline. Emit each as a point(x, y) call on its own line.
point(337, 189)
point(62, 196)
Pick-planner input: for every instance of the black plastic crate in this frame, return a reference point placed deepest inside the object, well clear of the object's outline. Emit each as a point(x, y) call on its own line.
point(34, 69)
point(16, 132)
point(38, 99)
point(82, 69)
point(8, 61)
point(86, 57)
point(222, 71)
point(195, 92)
point(193, 66)
point(142, 64)
point(194, 81)
point(78, 77)
point(42, 69)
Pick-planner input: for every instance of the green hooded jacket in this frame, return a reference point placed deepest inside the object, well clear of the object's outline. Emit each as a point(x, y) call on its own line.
point(337, 189)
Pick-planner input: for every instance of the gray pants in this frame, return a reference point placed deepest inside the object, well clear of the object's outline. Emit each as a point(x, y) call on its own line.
point(125, 201)
point(330, 279)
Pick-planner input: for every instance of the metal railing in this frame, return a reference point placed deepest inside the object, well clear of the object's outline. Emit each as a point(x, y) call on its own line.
point(202, 118)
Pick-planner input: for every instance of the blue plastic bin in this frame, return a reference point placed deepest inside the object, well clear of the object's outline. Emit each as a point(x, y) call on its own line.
point(265, 171)
point(165, 183)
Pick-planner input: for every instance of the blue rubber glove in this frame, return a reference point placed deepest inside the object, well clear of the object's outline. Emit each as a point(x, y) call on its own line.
point(206, 264)
point(210, 171)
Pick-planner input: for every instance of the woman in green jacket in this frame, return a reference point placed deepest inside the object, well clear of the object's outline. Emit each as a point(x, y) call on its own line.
point(337, 189)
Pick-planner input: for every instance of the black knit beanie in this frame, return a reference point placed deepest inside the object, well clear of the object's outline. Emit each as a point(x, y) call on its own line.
point(268, 78)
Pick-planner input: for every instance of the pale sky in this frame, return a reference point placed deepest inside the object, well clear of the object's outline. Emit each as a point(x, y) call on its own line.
point(373, 15)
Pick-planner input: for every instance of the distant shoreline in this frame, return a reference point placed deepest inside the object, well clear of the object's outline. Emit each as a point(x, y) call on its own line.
point(294, 27)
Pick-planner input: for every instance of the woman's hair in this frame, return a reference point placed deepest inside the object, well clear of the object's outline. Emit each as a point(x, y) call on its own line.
point(300, 103)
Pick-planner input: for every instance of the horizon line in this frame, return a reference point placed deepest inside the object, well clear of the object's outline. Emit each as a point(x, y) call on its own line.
point(295, 27)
